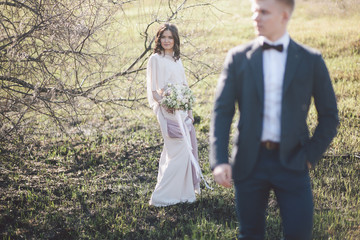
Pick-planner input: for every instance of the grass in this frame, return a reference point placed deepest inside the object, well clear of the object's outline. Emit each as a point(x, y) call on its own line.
point(98, 187)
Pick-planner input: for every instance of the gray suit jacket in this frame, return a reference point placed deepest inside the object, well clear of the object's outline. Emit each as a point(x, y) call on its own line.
point(241, 84)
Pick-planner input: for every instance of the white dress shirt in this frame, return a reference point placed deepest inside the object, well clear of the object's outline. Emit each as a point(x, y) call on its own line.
point(274, 70)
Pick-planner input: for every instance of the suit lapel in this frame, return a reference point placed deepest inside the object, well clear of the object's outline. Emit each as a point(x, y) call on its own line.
point(256, 63)
point(292, 62)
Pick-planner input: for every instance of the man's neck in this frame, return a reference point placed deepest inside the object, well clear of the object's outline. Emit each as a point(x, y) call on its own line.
point(276, 37)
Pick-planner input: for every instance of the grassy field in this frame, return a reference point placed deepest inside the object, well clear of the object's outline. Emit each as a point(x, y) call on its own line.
point(100, 188)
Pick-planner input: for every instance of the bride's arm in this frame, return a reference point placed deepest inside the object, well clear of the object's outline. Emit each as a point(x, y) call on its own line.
point(157, 97)
point(191, 115)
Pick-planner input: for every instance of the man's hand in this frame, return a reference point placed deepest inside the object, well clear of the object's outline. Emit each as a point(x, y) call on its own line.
point(223, 175)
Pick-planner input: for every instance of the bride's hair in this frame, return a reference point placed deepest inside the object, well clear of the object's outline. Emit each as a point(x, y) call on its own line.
point(175, 34)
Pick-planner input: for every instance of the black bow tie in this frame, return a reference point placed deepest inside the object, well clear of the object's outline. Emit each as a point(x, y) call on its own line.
point(267, 46)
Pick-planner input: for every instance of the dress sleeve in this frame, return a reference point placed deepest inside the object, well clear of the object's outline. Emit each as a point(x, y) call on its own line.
point(183, 73)
point(155, 77)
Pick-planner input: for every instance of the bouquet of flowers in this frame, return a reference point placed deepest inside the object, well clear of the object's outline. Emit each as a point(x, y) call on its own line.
point(178, 97)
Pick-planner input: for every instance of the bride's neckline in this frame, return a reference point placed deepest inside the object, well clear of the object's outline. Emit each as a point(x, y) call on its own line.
point(168, 56)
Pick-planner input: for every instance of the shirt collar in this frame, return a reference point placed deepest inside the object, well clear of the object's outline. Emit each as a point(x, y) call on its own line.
point(284, 40)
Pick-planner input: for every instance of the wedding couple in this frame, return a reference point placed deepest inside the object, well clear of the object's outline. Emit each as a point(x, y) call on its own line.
point(271, 81)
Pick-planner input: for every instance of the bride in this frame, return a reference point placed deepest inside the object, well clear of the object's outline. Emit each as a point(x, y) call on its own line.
point(179, 177)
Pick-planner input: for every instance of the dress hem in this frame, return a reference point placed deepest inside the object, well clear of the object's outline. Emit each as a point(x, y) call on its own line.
point(171, 203)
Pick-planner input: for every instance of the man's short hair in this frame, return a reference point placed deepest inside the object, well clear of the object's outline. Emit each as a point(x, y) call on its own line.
point(290, 3)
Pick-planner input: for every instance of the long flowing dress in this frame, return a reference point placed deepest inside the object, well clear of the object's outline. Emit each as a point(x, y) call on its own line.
point(177, 180)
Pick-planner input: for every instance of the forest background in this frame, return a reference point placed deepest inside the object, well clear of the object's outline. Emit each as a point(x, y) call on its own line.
point(79, 146)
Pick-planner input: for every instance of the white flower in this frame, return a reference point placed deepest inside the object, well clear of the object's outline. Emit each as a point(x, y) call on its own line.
point(178, 96)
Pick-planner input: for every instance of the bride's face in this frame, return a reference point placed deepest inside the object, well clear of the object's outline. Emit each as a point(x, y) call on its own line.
point(167, 41)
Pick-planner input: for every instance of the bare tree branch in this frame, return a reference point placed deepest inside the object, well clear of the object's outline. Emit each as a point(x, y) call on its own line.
point(19, 5)
point(58, 64)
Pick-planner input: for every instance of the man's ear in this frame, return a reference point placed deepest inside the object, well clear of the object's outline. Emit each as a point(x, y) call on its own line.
point(286, 15)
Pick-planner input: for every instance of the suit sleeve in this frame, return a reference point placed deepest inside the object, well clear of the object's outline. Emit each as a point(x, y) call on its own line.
point(223, 112)
point(328, 120)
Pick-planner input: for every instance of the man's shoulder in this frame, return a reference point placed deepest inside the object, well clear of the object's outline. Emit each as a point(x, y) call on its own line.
point(306, 49)
point(243, 48)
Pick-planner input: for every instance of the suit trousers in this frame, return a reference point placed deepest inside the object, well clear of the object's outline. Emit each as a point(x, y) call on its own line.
point(293, 193)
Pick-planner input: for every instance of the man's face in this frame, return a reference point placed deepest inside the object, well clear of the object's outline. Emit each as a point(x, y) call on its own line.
point(270, 18)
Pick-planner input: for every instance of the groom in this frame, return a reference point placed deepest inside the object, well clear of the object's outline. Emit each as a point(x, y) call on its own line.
point(271, 80)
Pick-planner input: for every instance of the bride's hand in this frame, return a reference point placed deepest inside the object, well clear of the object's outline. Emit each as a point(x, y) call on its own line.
point(169, 110)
